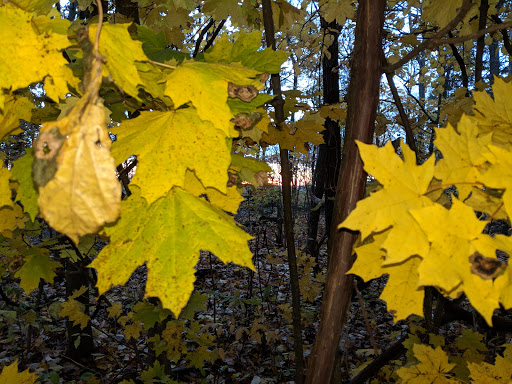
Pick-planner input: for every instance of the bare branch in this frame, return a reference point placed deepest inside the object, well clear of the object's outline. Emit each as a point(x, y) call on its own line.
point(464, 9)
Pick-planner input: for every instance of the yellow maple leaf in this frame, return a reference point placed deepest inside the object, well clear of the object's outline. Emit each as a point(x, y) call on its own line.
point(485, 202)
point(16, 107)
point(228, 201)
point(167, 144)
point(10, 375)
point(73, 167)
point(296, 138)
point(370, 258)
point(463, 155)
point(495, 115)
point(122, 52)
point(5, 189)
point(403, 293)
point(499, 174)
point(10, 219)
point(440, 12)
point(404, 184)
point(455, 235)
point(74, 311)
point(206, 85)
point(433, 367)
point(30, 57)
point(168, 237)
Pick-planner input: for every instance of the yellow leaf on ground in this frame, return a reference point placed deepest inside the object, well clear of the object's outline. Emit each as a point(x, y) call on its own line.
point(10, 375)
point(167, 144)
point(167, 236)
point(433, 367)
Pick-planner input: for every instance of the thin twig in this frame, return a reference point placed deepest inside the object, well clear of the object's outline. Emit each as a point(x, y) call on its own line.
point(210, 41)
point(201, 35)
point(496, 211)
point(464, 9)
point(475, 35)
point(443, 186)
point(376, 350)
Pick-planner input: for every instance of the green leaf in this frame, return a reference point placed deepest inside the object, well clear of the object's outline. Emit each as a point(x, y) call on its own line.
point(168, 236)
point(246, 50)
point(38, 265)
point(149, 314)
point(27, 193)
point(156, 47)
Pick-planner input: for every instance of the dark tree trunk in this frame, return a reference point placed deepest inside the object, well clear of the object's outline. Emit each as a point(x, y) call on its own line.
point(480, 43)
point(329, 153)
point(80, 341)
point(286, 174)
point(363, 99)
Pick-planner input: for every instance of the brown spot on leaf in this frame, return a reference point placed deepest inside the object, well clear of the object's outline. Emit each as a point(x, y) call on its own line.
point(243, 92)
point(486, 267)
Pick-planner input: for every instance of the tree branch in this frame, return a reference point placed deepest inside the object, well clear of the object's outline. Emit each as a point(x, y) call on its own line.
point(405, 120)
point(209, 43)
point(464, 9)
point(475, 35)
point(201, 35)
point(504, 34)
point(462, 65)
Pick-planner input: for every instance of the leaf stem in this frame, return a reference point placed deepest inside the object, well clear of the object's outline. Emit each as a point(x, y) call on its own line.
point(98, 31)
point(496, 211)
point(162, 64)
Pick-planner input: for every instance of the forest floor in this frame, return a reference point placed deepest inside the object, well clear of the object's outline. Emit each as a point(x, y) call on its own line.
point(245, 319)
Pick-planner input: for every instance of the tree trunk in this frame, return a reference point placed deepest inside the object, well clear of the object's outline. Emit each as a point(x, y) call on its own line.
point(286, 175)
point(329, 153)
point(362, 108)
point(480, 43)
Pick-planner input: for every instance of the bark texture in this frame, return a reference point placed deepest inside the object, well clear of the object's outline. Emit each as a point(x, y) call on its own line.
point(362, 107)
point(329, 153)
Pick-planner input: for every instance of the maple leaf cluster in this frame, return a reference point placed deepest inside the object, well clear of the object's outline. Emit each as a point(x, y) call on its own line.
point(421, 235)
point(182, 191)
